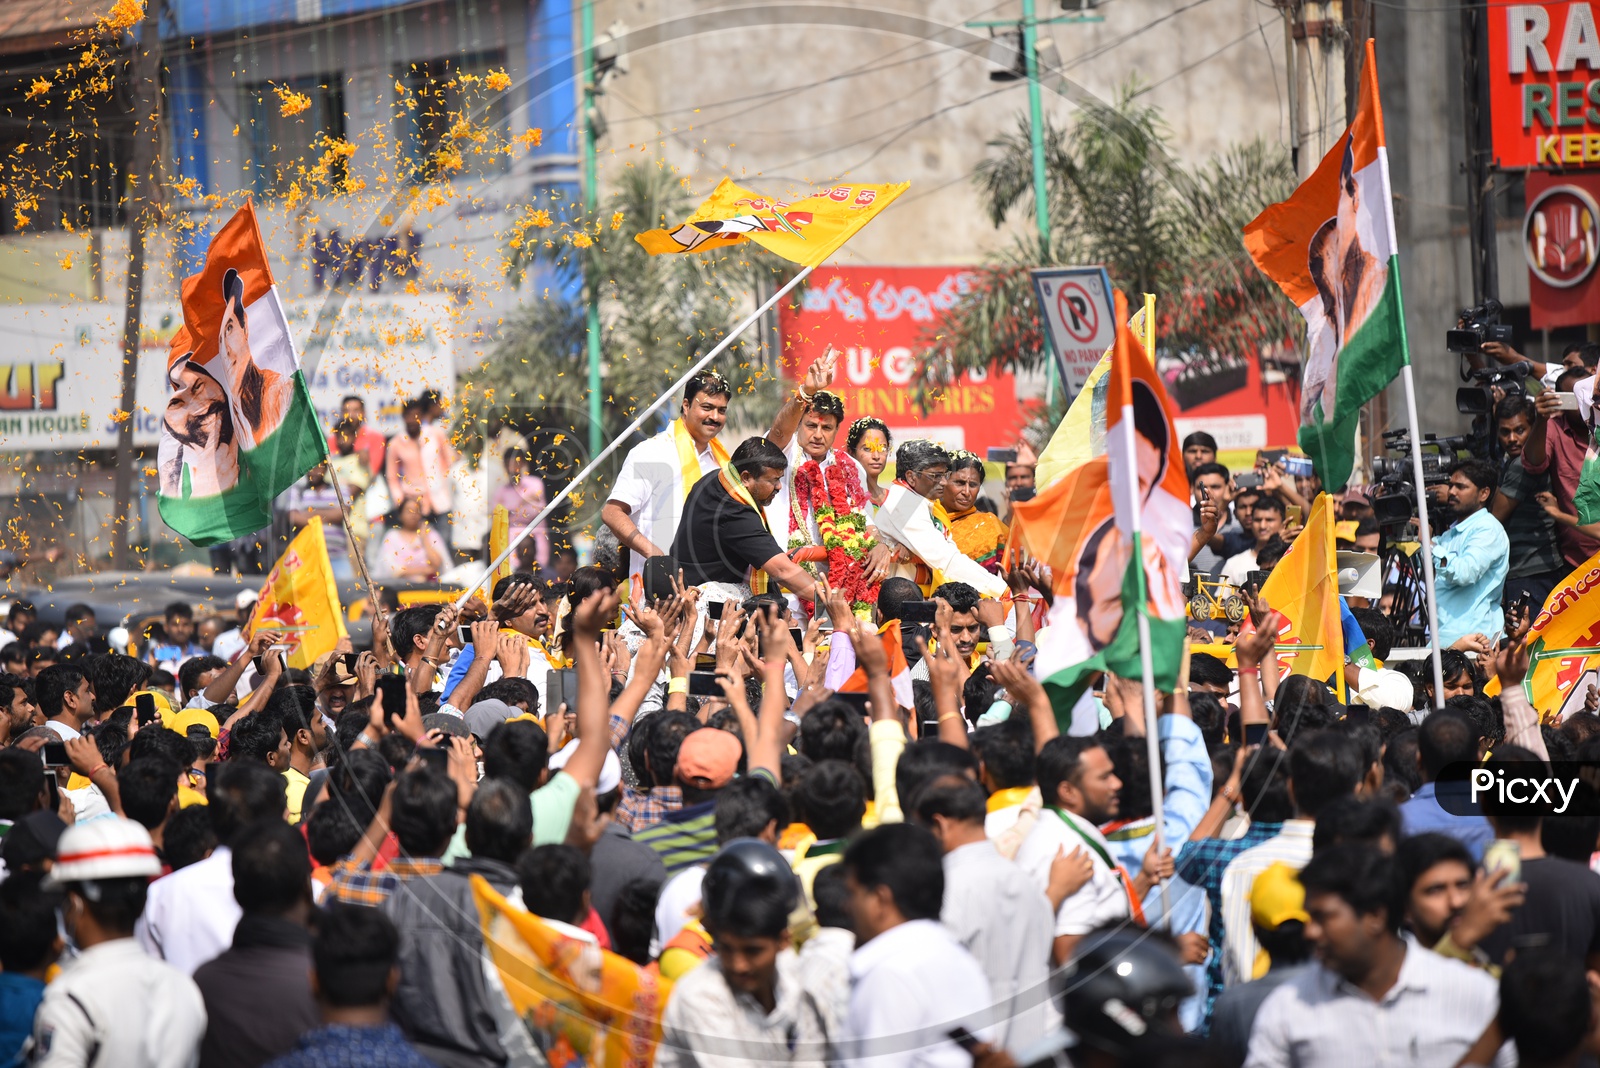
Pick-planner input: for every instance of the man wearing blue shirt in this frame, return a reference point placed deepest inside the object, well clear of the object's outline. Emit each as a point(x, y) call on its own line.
point(1446, 737)
point(1470, 559)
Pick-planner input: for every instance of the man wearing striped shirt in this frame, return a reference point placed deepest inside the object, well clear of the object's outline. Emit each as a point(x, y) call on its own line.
point(708, 760)
point(1323, 767)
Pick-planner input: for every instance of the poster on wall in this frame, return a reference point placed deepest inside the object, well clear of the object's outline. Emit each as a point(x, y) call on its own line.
point(877, 318)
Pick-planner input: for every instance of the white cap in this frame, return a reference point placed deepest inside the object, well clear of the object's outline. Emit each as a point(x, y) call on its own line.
point(119, 639)
point(246, 598)
point(108, 847)
point(610, 771)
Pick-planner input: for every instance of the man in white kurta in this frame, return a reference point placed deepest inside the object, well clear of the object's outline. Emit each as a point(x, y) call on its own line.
point(646, 502)
point(906, 519)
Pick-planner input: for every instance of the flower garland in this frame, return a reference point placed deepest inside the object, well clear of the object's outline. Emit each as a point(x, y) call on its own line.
point(836, 497)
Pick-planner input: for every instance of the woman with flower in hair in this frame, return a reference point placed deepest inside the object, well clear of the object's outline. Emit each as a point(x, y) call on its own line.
point(868, 442)
point(979, 535)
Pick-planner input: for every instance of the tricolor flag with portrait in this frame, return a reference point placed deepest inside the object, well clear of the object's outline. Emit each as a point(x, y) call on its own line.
point(1331, 248)
point(1115, 532)
point(238, 427)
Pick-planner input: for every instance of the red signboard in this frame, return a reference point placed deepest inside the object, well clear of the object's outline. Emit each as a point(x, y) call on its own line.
point(877, 317)
point(1560, 243)
point(1544, 84)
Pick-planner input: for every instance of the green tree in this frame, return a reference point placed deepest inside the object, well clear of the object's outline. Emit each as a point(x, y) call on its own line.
point(1117, 197)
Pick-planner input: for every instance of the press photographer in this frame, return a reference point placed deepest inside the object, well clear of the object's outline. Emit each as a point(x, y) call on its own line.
point(1535, 564)
point(1556, 446)
point(1469, 559)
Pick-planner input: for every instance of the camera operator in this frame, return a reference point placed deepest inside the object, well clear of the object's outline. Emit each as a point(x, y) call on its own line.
point(1556, 447)
point(1573, 358)
point(1469, 559)
point(1535, 565)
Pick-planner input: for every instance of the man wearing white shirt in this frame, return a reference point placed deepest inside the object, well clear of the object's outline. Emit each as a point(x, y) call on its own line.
point(66, 697)
point(190, 915)
point(1323, 767)
point(647, 498)
point(1079, 786)
point(1266, 522)
point(906, 518)
point(1373, 996)
point(993, 909)
point(230, 643)
point(911, 981)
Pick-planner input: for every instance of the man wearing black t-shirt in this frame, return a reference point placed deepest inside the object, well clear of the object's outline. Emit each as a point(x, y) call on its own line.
point(723, 534)
point(1562, 909)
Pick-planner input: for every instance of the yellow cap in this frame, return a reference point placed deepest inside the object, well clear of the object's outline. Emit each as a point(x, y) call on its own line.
point(1276, 897)
point(1345, 530)
point(193, 717)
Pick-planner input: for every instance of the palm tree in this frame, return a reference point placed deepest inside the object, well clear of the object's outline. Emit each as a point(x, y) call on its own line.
point(1117, 197)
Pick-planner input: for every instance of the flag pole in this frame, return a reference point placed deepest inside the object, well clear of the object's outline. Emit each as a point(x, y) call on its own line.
point(616, 442)
point(1146, 659)
point(1427, 533)
point(358, 552)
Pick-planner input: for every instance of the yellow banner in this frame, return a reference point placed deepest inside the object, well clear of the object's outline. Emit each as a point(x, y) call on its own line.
point(1305, 588)
point(806, 231)
point(301, 598)
point(1563, 644)
point(584, 1006)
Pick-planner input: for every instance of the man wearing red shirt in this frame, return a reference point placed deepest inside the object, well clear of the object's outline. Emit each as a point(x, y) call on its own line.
point(369, 442)
point(1557, 445)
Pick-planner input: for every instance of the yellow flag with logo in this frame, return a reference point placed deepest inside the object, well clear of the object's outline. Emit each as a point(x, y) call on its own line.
point(1563, 645)
point(301, 599)
point(582, 1006)
point(806, 231)
point(1304, 586)
point(499, 538)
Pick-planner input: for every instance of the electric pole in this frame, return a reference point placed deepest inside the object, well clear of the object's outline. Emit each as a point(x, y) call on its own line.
point(591, 205)
point(143, 201)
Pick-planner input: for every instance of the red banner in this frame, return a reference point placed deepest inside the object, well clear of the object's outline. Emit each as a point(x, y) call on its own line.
point(1560, 244)
point(877, 318)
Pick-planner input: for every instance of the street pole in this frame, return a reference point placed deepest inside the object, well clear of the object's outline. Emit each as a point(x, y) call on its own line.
point(1041, 204)
point(591, 205)
point(143, 172)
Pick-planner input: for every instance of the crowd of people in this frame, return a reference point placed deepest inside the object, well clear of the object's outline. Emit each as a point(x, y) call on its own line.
point(781, 745)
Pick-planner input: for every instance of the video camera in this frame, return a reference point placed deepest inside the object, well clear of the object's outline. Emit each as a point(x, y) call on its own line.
point(1511, 379)
point(1478, 325)
point(1394, 498)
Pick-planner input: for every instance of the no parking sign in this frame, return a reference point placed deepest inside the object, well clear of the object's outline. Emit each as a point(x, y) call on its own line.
point(1079, 322)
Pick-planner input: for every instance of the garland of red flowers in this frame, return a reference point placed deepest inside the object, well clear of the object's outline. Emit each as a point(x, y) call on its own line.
point(836, 497)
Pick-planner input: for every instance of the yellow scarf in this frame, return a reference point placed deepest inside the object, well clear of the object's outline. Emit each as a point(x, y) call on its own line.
point(736, 489)
point(689, 457)
point(1009, 797)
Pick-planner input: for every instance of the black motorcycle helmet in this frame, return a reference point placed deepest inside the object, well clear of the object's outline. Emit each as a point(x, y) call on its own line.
point(1122, 987)
point(749, 890)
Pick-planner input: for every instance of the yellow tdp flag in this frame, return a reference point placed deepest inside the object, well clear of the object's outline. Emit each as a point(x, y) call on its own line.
point(585, 1007)
point(301, 598)
point(1563, 644)
point(1305, 588)
point(499, 538)
point(806, 231)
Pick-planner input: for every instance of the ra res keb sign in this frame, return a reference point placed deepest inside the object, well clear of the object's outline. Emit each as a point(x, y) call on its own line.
point(1544, 84)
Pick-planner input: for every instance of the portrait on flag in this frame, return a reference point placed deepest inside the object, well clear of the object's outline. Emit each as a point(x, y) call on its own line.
point(238, 427)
